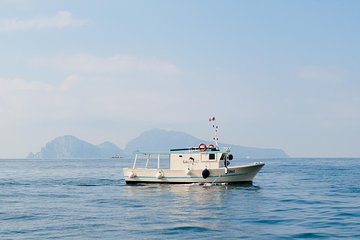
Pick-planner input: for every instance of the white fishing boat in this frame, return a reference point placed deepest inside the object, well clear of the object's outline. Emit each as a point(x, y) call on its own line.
point(202, 164)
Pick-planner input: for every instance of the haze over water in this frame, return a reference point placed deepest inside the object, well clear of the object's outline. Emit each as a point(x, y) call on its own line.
point(88, 199)
point(276, 74)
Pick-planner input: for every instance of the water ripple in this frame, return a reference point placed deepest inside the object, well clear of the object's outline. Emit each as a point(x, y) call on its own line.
point(289, 199)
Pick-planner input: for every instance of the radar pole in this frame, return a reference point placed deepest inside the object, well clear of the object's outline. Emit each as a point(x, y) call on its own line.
point(215, 127)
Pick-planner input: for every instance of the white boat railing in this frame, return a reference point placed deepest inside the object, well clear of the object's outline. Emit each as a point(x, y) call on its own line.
point(135, 159)
point(149, 157)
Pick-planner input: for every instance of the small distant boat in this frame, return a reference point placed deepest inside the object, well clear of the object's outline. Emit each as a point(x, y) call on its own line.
point(116, 156)
point(202, 164)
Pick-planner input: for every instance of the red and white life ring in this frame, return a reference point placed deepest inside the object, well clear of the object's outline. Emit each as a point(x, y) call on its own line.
point(202, 147)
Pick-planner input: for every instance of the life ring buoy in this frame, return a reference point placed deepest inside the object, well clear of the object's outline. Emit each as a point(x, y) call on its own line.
point(202, 147)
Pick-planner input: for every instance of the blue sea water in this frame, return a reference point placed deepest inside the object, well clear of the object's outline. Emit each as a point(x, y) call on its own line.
point(88, 199)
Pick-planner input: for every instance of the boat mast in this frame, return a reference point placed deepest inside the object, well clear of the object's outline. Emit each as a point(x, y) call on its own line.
point(215, 127)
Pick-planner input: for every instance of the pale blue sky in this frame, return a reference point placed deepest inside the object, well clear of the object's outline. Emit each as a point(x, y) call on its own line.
point(282, 74)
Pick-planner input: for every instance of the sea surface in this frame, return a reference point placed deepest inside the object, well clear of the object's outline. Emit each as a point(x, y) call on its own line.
point(88, 199)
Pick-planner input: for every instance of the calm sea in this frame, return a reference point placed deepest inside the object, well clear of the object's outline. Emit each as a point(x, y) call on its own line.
point(88, 199)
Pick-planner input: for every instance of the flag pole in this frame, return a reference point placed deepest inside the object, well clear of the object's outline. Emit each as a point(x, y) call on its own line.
point(215, 127)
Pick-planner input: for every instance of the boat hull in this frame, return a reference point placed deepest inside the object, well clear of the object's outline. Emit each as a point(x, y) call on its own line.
point(236, 174)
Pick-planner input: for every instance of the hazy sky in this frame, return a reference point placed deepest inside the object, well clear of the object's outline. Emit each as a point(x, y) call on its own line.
point(277, 74)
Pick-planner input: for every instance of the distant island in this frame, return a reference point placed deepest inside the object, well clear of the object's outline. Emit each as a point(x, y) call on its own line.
point(152, 140)
point(72, 147)
point(162, 140)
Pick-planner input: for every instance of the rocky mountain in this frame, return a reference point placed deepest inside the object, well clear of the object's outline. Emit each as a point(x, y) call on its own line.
point(152, 140)
point(71, 147)
point(162, 140)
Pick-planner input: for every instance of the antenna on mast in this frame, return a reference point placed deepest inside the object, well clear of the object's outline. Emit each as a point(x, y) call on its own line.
point(215, 127)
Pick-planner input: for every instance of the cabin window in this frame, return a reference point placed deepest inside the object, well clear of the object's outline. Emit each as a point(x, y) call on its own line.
point(180, 155)
point(211, 156)
point(222, 156)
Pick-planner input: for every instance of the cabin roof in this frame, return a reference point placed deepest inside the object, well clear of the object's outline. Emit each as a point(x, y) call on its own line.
point(182, 151)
